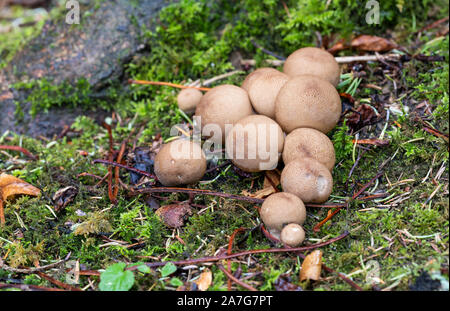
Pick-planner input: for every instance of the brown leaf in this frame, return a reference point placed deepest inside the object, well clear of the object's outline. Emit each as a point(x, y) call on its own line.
point(64, 196)
point(260, 193)
point(363, 116)
point(205, 280)
point(273, 176)
point(312, 266)
point(173, 215)
point(10, 186)
point(372, 43)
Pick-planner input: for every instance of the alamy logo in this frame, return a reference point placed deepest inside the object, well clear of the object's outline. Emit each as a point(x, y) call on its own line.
point(73, 16)
point(373, 15)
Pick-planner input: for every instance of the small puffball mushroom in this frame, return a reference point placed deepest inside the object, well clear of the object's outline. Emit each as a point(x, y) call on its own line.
point(313, 61)
point(180, 162)
point(308, 179)
point(255, 143)
point(188, 99)
point(282, 208)
point(292, 235)
point(307, 101)
point(309, 143)
point(224, 104)
point(262, 86)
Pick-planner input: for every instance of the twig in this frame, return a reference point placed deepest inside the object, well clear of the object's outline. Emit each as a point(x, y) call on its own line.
point(236, 280)
point(340, 59)
point(197, 191)
point(32, 270)
point(256, 45)
point(27, 287)
point(167, 84)
point(222, 76)
point(58, 283)
point(125, 167)
point(245, 253)
point(20, 149)
point(229, 252)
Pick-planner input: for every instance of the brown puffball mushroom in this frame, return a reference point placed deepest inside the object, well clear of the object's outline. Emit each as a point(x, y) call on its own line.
point(307, 142)
point(223, 104)
point(188, 99)
point(255, 143)
point(180, 162)
point(313, 61)
point(292, 235)
point(282, 208)
point(308, 179)
point(262, 86)
point(307, 101)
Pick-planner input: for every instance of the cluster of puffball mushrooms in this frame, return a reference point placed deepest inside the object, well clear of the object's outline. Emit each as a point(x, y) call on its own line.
point(304, 105)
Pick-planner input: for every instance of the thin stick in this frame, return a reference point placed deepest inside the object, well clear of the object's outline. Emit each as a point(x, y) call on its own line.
point(125, 167)
point(31, 270)
point(58, 283)
point(229, 251)
point(245, 253)
point(2, 213)
point(20, 149)
point(235, 280)
point(222, 76)
point(27, 287)
point(167, 84)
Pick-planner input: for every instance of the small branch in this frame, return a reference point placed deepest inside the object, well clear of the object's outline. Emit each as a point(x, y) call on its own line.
point(167, 84)
point(245, 253)
point(235, 280)
point(32, 270)
point(125, 167)
point(20, 149)
point(222, 76)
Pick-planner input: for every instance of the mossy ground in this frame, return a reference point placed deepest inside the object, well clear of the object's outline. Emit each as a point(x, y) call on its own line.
point(194, 41)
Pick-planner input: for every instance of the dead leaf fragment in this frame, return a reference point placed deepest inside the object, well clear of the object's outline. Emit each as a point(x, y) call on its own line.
point(173, 215)
point(372, 44)
point(205, 280)
point(64, 196)
point(11, 186)
point(312, 266)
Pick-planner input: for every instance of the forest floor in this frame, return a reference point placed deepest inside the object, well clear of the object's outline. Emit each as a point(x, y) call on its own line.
point(394, 148)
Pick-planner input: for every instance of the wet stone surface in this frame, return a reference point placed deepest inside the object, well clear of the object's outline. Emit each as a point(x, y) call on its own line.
point(95, 50)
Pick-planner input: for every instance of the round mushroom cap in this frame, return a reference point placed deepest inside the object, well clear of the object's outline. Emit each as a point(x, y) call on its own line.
point(188, 99)
point(292, 235)
point(255, 143)
point(180, 162)
point(282, 208)
point(308, 179)
point(307, 101)
point(313, 61)
point(309, 143)
point(224, 104)
point(262, 86)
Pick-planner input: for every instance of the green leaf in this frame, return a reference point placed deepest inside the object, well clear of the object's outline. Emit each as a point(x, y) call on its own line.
point(168, 269)
point(144, 269)
point(115, 278)
point(176, 282)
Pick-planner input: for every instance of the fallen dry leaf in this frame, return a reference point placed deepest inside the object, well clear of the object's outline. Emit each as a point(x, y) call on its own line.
point(10, 186)
point(312, 266)
point(63, 197)
point(272, 176)
point(260, 193)
point(205, 280)
point(372, 44)
point(173, 215)
point(363, 115)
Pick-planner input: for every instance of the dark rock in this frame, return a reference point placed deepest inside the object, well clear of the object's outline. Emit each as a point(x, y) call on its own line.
point(95, 50)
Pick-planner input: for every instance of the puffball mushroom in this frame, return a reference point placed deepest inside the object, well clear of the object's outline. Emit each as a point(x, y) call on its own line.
point(180, 162)
point(292, 235)
point(188, 99)
point(224, 104)
point(262, 86)
point(307, 142)
point(307, 101)
point(282, 208)
point(255, 143)
point(308, 179)
point(313, 61)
